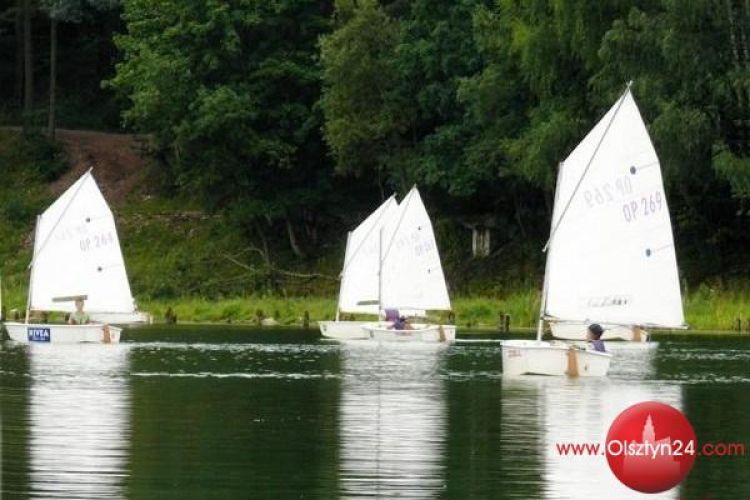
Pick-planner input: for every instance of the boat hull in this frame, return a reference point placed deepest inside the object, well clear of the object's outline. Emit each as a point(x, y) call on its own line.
point(62, 334)
point(134, 318)
point(531, 357)
point(344, 330)
point(577, 331)
point(419, 333)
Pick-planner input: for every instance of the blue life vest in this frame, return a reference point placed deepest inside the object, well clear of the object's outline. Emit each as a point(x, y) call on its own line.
point(598, 345)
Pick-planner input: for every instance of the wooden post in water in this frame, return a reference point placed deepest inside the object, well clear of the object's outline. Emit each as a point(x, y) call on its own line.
point(506, 323)
point(170, 317)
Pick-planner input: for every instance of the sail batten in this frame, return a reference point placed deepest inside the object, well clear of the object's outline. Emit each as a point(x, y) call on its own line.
point(77, 253)
point(611, 253)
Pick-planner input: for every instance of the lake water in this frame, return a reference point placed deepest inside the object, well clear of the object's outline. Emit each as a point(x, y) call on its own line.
point(231, 413)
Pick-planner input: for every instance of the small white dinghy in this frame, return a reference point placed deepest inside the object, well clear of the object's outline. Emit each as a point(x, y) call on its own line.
point(610, 255)
point(411, 275)
point(537, 357)
point(359, 276)
point(76, 254)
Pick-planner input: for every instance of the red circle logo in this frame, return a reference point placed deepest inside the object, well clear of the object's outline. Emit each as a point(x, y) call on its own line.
point(651, 447)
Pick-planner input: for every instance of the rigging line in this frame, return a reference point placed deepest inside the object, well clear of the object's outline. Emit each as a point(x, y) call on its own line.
point(588, 166)
point(82, 181)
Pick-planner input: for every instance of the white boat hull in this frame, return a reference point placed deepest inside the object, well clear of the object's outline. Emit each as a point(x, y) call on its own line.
point(531, 357)
point(344, 330)
point(114, 318)
point(61, 334)
point(577, 331)
point(419, 333)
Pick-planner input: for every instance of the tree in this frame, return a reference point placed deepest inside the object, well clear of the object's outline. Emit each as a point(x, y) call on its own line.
point(364, 117)
point(230, 92)
point(64, 11)
point(392, 75)
point(28, 76)
point(691, 77)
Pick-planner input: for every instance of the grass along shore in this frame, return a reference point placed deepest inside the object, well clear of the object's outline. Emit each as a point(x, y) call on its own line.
point(706, 309)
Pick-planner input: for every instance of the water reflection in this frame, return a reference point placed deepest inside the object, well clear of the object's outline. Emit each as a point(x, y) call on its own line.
point(581, 411)
point(79, 408)
point(492, 443)
point(229, 420)
point(392, 421)
point(14, 419)
point(285, 417)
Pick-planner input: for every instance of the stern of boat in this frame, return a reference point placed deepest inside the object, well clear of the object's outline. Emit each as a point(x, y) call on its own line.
point(63, 334)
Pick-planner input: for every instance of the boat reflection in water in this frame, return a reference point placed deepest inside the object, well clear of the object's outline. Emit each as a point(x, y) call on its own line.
point(78, 420)
point(581, 411)
point(392, 420)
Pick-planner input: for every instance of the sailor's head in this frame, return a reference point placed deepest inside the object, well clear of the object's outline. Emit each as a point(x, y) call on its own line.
point(79, 304)
point(595, 331)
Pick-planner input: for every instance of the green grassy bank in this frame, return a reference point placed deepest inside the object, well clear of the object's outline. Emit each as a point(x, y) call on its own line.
point(705, 309)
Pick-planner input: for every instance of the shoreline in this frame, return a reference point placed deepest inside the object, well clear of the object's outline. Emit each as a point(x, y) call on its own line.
point(711, 312)
point(251, 326)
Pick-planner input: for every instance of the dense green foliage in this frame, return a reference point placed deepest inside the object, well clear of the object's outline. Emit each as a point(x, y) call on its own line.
point(86, 56)
point(230, 90)
point(287, 120)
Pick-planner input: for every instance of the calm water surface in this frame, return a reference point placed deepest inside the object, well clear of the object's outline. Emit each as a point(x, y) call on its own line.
point(228, 413)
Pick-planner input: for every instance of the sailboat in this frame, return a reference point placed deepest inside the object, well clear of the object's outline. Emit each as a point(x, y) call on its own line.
point(76, 256)
point(411, 276)
point(610, 255)
point(359, 276)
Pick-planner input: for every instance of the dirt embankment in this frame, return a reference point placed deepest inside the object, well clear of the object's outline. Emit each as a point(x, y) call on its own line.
point(118, 162)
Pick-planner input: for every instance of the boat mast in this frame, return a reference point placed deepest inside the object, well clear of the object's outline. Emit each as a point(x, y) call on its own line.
point(31, 270)
point(343, 275)
point(548, 251)
point(380, 271)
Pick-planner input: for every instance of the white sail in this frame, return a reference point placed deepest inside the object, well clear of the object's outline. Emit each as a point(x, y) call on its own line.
point(359, 278)
point(77, 252)
point(611, 254)
point(412, 276)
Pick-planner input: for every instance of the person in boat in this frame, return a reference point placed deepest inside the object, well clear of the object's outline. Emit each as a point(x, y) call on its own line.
point(401, 323)
point(79, 317)
point(594, 336)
